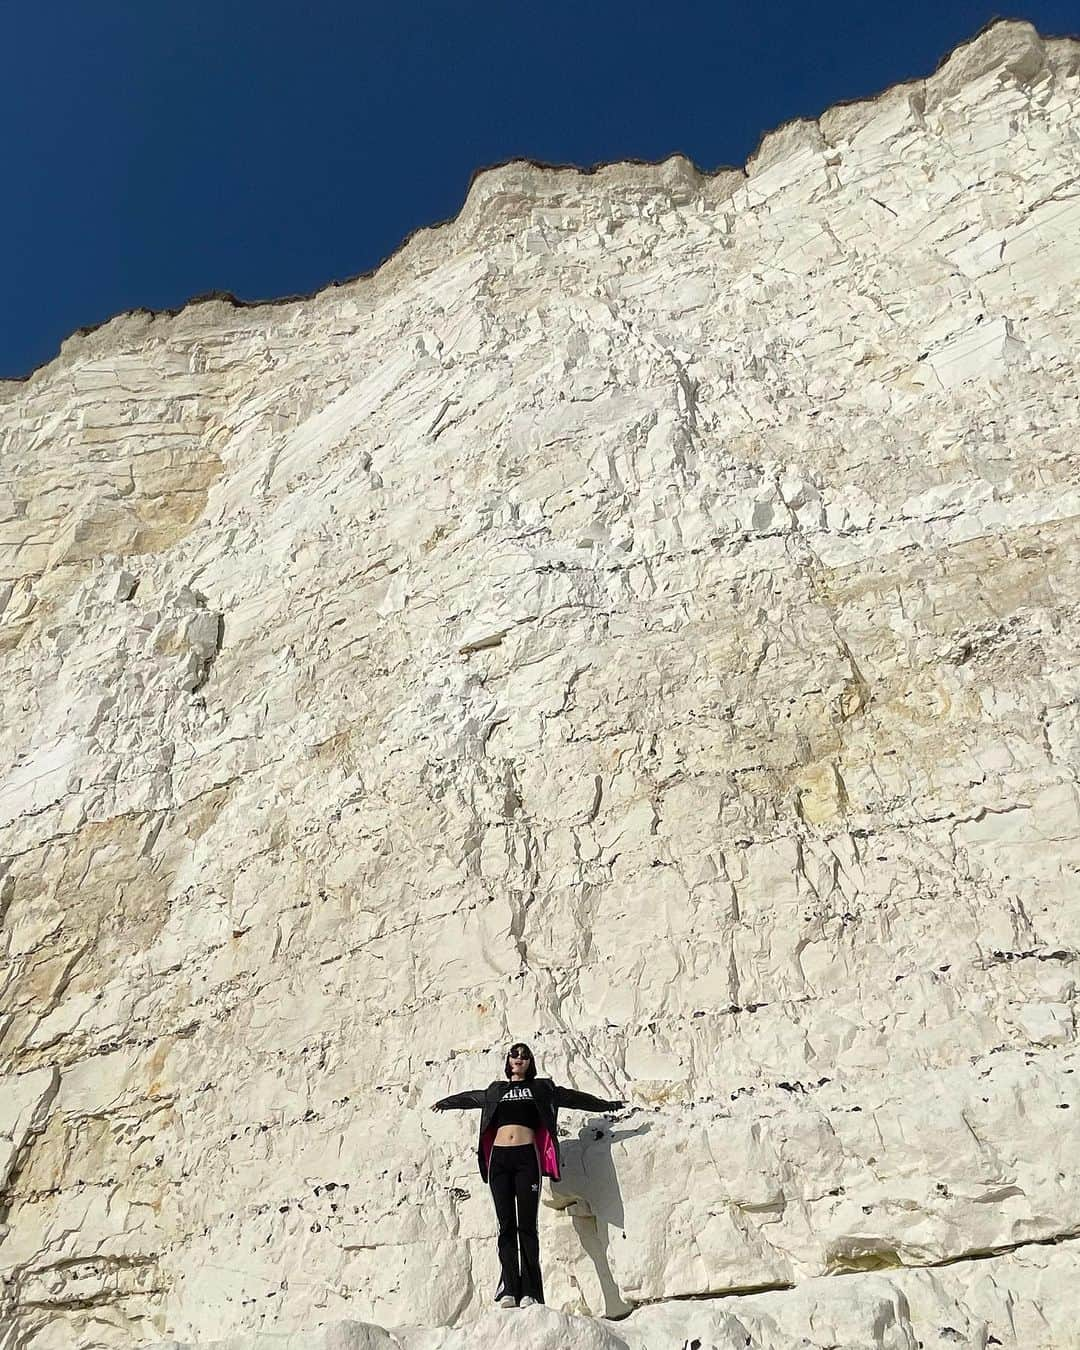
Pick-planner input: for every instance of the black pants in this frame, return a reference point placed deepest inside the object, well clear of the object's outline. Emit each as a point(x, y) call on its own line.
point(514, 1175)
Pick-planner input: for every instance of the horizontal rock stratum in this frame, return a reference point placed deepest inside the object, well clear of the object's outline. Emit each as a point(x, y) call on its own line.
point(641, 618)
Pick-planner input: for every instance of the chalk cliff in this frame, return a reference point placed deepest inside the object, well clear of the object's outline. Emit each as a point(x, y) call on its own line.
point(642, 617)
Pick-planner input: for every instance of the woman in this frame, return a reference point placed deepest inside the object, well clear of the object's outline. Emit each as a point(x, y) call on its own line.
point(519, 1143)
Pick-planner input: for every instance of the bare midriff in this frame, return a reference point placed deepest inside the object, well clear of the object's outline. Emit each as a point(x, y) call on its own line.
point(510, 1136)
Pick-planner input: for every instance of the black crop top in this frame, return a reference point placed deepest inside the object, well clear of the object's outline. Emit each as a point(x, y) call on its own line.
point(516, 1107)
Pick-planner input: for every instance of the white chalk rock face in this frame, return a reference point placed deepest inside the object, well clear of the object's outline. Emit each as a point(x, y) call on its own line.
point(642, 618)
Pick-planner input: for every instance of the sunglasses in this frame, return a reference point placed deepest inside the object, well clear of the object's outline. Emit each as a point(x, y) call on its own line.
point(513, 1056)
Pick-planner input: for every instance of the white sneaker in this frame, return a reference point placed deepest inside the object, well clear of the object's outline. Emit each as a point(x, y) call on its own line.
point(528, 1302)
point(508, 1301)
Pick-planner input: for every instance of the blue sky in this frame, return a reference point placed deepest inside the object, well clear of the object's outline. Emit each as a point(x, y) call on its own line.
point(155, 151)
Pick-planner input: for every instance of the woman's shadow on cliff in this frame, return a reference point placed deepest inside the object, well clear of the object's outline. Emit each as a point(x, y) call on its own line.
point(589, 1190)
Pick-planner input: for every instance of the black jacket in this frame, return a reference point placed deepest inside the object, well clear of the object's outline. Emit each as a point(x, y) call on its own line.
point(548, 1097)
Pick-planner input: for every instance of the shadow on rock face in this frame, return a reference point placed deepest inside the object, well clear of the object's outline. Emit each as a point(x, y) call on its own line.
point(589, 1192)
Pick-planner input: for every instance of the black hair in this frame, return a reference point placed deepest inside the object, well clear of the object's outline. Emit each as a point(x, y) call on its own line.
point(530, 1072)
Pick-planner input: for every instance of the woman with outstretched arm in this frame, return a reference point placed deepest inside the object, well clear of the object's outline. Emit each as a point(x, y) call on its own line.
point(519, 1144)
